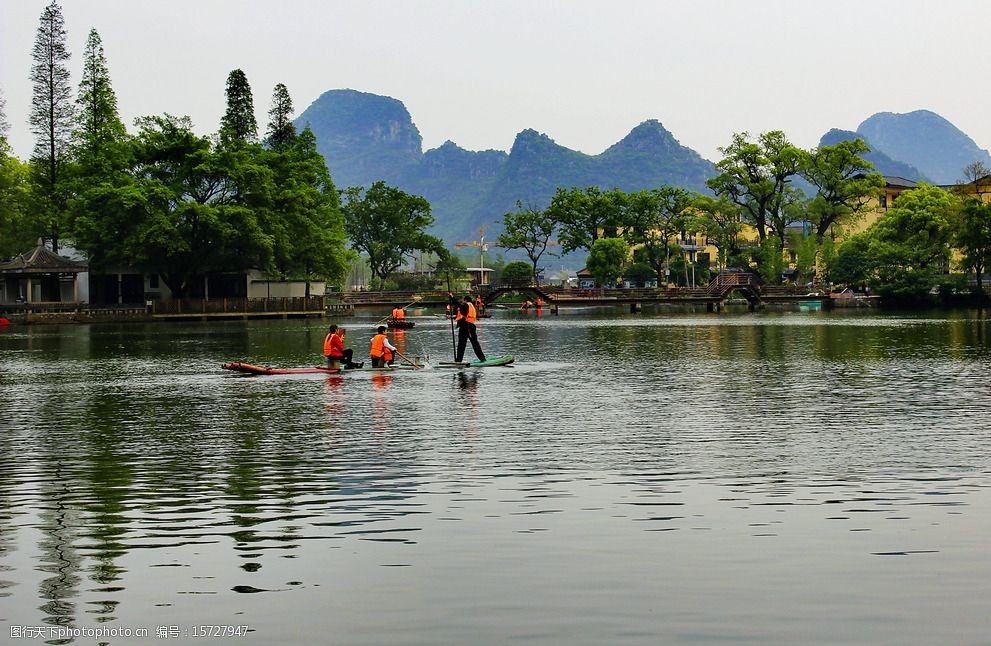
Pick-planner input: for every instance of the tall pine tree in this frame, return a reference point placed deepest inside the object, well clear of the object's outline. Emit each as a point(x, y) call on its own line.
point(281, 131)
point(238, 124)
point(51, 120)
point(99, 132)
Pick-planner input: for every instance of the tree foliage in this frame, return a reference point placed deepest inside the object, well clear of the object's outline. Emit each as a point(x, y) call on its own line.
point(973, 237)
point(305, 222)
point(51, 120)
point(280, 132)
point(178, 215)
point(607, 258)
point(653, 217)
point(909, 245)
point(585, 215)
point(756, 176)
point(99, 135)
point(238, 125)
point(844, 181)
point(529, 229)
point(387, 224)
point(517, 273)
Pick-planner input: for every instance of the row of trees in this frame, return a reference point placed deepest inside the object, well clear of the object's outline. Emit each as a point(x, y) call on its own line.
point(755, 188)
point(751, 219)
point(167, 201)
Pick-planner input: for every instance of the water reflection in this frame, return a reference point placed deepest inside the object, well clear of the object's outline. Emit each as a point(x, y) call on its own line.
point(625, 464)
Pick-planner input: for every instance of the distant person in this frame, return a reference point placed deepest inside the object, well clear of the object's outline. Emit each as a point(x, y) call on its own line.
point(398, 313)
point(465, 316)
point(382, 352)
point(479, 304)
point(525, 305)
point(540, 303)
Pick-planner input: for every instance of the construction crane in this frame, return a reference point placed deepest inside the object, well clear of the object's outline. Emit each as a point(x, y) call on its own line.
point(482, 248)
point(480, 243)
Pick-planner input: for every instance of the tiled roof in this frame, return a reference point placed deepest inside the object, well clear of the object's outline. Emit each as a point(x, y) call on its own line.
point(41, 260)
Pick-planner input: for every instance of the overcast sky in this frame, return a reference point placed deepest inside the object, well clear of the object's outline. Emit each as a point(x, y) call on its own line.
point(583, 72)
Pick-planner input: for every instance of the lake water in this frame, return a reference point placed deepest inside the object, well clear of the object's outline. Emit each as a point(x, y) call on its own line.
point(770, 478)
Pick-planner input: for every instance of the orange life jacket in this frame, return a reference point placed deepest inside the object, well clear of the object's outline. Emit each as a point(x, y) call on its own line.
point(378, 346)
point(471, 314)
point(327, 346)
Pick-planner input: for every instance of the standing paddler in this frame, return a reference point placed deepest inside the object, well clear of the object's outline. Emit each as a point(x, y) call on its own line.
point(465, 316)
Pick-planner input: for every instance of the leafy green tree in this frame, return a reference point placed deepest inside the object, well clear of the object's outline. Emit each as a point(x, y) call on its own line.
point(720, 221)
point(178, 215)
point(15, 234)
point(853, 262)
point(972, 236)
point(909, 245)
point(387, 224)
point(756, 177)
point(639, 274)
point(51, 120)
point(845, 184)
point(586, 215)
point(305, 220)
point(529, 229)
point(99, 137)
point(517, 273)
point(4, 124)
point(607, 258)
point(238, 125)
point(280, 132)
point(655, 217)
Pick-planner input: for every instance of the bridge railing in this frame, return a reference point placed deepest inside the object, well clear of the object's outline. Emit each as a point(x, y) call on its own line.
point(726, 281)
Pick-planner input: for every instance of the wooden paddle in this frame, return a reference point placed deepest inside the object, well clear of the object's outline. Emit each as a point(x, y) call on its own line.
point(415, 365)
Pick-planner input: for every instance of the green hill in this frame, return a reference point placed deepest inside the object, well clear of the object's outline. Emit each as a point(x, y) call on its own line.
point(365, 137)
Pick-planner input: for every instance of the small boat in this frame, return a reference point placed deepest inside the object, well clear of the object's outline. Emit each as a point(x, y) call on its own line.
point(400, 324)
point(504, 360)
point(239, 366)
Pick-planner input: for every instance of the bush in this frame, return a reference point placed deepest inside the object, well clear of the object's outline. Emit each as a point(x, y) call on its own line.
point(517, 273)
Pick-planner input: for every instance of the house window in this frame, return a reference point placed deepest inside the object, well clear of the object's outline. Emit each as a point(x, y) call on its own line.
point(884, 200)
point(153, 281)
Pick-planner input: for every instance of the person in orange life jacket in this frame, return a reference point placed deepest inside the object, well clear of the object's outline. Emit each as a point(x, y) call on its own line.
point(382, 352)
point(540, 303)
point(398, 313)
point(464, 315)
point(333, 349)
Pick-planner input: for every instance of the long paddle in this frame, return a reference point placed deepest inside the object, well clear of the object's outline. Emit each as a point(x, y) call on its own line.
point(415, 365)
point(454, 345)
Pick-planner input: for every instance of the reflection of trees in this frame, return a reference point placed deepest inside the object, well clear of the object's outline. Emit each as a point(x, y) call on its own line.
point(59, 524)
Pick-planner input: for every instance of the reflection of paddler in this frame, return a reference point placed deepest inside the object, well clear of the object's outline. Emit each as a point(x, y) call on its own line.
point(381, 351)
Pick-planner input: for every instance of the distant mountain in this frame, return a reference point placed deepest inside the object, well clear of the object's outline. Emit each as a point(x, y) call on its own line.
point(363, 136)
point(882, 162)
point(366, 137)
point(925, 140)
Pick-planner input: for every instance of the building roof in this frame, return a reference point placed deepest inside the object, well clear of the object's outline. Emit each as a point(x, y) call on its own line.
point(42, 260)
point(892, 180)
